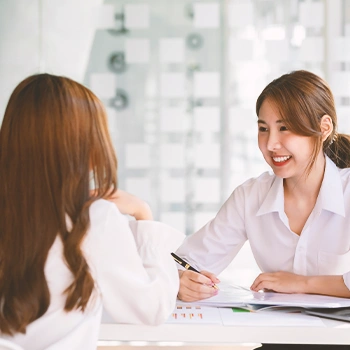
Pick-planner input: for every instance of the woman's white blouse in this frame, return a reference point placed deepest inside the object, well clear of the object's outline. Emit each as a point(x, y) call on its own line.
point(255, 212)
point(136, 281)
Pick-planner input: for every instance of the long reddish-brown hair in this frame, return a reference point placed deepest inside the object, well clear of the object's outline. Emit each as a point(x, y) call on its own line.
point(302, 98)
point(54, 136)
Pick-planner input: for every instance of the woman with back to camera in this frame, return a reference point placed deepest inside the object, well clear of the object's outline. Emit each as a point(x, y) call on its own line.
point(297, 220)
point(65, 251)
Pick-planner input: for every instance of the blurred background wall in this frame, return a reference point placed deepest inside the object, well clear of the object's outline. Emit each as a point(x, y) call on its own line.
point(179, 79)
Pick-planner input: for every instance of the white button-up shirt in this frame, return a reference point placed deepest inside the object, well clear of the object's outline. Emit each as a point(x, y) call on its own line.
point(136, 281)
point(255, 212)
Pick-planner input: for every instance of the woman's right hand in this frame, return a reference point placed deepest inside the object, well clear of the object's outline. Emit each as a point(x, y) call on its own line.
point(196, 286)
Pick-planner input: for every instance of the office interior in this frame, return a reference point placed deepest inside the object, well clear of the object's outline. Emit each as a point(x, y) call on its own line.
point(179, 80)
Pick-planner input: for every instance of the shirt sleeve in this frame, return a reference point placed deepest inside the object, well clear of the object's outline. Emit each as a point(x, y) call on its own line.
point(214, 246)
point(137, 278)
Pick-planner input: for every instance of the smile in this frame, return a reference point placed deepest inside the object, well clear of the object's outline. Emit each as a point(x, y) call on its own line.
point(281, 159)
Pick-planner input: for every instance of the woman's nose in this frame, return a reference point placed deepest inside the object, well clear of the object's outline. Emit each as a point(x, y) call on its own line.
point(273, 142)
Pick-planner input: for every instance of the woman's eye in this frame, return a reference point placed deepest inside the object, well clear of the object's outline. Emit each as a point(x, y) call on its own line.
point(262, 129)
point(283, 128)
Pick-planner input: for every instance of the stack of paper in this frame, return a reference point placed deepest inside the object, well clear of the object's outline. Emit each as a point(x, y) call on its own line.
point(261, 308)
point(232, 295)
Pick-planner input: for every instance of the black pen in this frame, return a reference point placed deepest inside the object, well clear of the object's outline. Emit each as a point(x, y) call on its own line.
point(187, 266)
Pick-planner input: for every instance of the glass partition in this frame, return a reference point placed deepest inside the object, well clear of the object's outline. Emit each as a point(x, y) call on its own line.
point(179, 79)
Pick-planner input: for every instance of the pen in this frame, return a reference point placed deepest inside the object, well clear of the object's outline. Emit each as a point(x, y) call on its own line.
point(187, 266)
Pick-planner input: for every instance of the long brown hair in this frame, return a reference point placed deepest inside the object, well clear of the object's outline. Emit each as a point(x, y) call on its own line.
point(302, 99)
point(53, 136)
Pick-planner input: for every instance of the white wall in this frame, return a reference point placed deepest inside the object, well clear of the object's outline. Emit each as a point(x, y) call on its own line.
point(44, 36)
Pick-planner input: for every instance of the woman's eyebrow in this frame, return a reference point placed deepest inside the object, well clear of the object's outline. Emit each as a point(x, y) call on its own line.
point(279, 121)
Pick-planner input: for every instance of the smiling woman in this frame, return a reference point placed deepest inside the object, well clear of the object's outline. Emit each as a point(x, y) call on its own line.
point(289, 154)
point(293, 138)
point(296, 218)
point(301, 100)
point(293, 217)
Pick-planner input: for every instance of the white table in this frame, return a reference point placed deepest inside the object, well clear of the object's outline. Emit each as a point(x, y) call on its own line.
point(334, 333)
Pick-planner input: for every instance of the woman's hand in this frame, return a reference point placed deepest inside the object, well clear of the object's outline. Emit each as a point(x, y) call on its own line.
point(196, 286)
point(283, 282)
point(131, 205)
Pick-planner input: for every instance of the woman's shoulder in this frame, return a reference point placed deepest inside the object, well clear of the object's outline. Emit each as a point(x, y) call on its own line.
point(105, 221)
point(263, 180)
point(332, 170)
point(101, 210)
point(101, 204)
point(254, 188)
point(345, 174)
point(101, 207)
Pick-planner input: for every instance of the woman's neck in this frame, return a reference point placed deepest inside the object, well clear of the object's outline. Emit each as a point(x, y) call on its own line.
point(308, 185)
point(300, 196)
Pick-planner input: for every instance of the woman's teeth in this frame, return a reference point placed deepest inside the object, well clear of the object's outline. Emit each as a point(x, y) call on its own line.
point(281, 159)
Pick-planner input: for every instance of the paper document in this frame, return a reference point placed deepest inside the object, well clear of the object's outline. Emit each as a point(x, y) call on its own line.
point(232, 295)
point(192, 313)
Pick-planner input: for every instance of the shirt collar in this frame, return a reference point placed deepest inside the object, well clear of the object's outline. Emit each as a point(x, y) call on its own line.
point(331, 196)
point(274, 200)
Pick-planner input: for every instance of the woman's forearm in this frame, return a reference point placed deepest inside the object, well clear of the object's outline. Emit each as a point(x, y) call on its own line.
point(327, 285)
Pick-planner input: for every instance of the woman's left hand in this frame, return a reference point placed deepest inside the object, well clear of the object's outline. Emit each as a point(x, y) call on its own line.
point(282, 282)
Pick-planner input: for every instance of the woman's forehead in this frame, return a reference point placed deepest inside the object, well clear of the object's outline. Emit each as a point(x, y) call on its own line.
point(269, 108)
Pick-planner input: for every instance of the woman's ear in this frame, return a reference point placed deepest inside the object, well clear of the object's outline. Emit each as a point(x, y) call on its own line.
point(326, 126)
